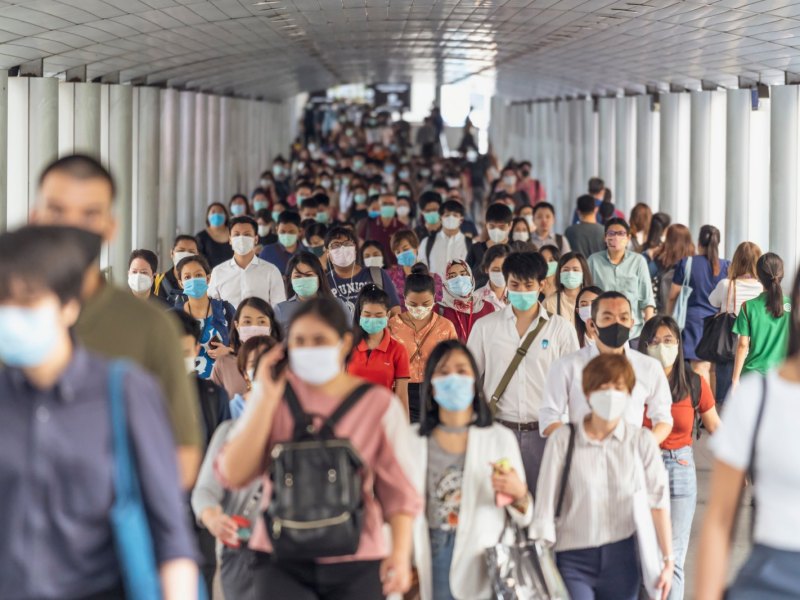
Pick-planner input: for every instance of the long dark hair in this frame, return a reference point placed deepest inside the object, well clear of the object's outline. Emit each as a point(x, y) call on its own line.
point(312, 262)
point(369, 294)
point(580, 326)
point(794, 322)
point(492, 254)
point(679, 383)
point(770, 273)
point(264, 308)
point(658, 224)
point(709, 239)
point(587, 272)
point(430, 410)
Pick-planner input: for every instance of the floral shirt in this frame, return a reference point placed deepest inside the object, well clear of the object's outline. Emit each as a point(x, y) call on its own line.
point(420, 344)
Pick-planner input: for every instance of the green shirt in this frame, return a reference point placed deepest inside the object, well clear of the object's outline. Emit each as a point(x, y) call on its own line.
point(116, 324)
point(769, 337)
point(630, 277)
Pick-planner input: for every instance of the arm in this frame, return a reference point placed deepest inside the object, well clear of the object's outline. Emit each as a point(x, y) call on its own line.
point(213, 285)
point(401, 389)
point(555, 399)
point(547, 487)
point(179, 579)
point(277, 293)
point(396, 569)
point(664, 533)
point(710, 420)
point(658, 406)
point(661, 431)
point(646, 290)
point(742, 347)
point(674, 291)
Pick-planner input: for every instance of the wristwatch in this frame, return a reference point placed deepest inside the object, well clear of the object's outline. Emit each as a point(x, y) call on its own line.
point(669, 558)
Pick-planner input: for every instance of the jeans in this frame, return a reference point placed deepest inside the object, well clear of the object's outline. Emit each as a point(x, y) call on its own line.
point(724, 373)
point(768, 574)
point(609, 572)
point(442, 544)
point(683, 500)
point(531, 446)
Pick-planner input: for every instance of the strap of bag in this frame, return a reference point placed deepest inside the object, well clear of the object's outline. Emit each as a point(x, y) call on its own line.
point(565, 473)
point(695, 390)
point(429, 242)
point(751, 467)
point(302, 421)
point(377, 277)
point(559, 242)
point(125, 481)
point(157, 282)
point(514, 364)
point(347, 404)
point(687, 272)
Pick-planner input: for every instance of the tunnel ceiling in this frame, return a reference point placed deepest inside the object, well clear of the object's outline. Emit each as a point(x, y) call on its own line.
point(536, 48)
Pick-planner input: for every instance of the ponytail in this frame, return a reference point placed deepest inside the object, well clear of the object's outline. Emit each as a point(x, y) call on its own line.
point(709, 239)
point(419, 281)
point(770, 273)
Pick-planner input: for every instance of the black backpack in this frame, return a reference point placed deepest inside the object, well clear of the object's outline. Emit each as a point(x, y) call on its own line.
point(317, 506)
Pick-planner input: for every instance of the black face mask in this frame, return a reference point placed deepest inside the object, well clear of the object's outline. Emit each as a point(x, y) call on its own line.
point(614, 336)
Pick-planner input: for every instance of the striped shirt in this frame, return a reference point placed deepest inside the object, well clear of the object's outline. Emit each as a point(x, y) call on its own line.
point(598, 503)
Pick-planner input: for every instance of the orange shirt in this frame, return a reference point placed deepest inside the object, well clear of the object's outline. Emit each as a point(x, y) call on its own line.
point(683, 418)
point(383, 365)
point(420, 344)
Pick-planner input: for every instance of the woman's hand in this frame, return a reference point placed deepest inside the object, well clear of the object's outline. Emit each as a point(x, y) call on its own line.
point(665, 580)
point(271, 389)
point(396, 574)
point(222, 527)
point(219, 351)
point(509, 483)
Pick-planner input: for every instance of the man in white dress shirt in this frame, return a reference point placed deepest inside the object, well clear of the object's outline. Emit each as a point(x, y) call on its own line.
point(448, 244)
point(497, 337)
point(246, 275)
point(610, 325)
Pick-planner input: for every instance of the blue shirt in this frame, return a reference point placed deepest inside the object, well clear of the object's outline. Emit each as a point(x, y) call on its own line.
point(277, 255)
point(217, 324)
point(57, 485)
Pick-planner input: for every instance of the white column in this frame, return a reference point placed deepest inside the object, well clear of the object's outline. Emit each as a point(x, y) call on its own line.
point(707, 160)
point(737, 168)
point(625, 175)
point(200, 158)
point(168, 173)
point(3, 148)
point(185, 187)
point(213, 156)
point(674, 196)
point(79, 119)
point(590, 119)
point(225, 144)
point(120, 159)
point(647, 152)
point(607, 140)
point(147, 110)
point(784, 170)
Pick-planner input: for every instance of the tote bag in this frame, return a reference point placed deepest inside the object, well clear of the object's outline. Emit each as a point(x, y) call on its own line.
point(682, 303)
point(650, 557)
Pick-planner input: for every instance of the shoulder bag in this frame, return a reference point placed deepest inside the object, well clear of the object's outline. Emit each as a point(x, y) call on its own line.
point(682, 303)
point(650, 558)
point(718, 342)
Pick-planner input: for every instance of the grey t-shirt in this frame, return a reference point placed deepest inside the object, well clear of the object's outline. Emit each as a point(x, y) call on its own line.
point(445, 475)
point(586, 238)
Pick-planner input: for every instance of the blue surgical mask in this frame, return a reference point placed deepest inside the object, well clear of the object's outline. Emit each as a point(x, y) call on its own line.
point(373, 324)
point(305, 287)
point(260, 205)
point(460, 286)
point(27, 335)
point(300, 199)
point(389, 169)
point(322, 217)
point(216, 219)
point(454, 392)
point(374, 214)
point(552, 267)
point(237, 210)
point(360, 199)
point(276, 214)
point(287, 240)
point(388, 211)
point(195, 288)
point(431, 218)
point(407, 258)
point(523, 300)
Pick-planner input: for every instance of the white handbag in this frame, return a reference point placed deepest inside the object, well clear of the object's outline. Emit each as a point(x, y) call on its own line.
point(651, 559)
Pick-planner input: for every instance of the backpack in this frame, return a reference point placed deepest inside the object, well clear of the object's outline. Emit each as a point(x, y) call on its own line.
point(317, 505)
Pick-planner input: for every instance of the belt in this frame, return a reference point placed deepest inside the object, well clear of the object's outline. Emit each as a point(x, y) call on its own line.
point(532, 426)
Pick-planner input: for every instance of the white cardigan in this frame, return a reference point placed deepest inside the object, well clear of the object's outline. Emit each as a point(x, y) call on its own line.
point(480, 521)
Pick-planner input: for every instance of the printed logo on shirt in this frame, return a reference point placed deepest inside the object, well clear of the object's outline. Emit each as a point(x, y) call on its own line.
point(545, 344)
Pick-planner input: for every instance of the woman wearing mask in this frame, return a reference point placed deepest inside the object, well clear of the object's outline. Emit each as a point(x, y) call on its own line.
point(314, 239)
point(239, 206)
point(142, 265)
point(377, 357)
point(572, 275)
point(494, 292)
point(763, 323)
point(707, 270)
point(405, 206)
point(358, 208)
point(215, 316)
point(319, 340)
point(692, 400)
point(594, 530)
point(551, 256)
point(655, 239)
point(214, 242)
point(405, 245)
point(757, 438)
point(641, 216)
point(520, 230)
point(738, 287)
point(230, 515)
point(371, 255)
point(677, 247)
point(461, 304)
point(583, 312)
point(470, 472)
point(253, 318)
point(419, 329)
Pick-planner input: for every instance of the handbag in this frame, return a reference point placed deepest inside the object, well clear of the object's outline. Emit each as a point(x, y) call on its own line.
point(526, 569)
point(682, 303)
point(718, 342)
point(650, 557)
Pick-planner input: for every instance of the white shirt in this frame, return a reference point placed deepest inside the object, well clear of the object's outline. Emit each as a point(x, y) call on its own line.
point(445, 249)
point(564, 390)
point(745, 289)
point(233, 284)
point(777, 478)
point(494, 341)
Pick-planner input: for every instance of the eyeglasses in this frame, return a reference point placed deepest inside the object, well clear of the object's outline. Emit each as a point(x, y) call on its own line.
point(337, 245)
point(616, 233)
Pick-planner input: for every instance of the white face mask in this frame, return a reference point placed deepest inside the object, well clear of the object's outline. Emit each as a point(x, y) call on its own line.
point(251, 375)
point(403, 211)
point(316, 365)
point(419, 313)
point(344, 256)
point(529, 220)
point(497, 279)
point(139, 282)
point(249, 331)
point(263, 230)
point(179, 256)
point(373, 261)
point(243, 244)
point(609, 405)
point(522, 236)
point(664, 353)
point(189, 362)
point(585, 312)
point(451, 222)
point(497, 235)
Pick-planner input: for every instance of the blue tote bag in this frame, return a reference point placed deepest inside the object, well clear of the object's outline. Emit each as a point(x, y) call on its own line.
point(682, 302)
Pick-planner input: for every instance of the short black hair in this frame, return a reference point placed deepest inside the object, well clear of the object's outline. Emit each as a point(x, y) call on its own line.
point(609, 295)
point(198, 258)
point(452, 206)
point(419, 281)
point(321, 200)
point(46, 258)
point(441, 183)
point(340, 231)
point(311, 202)
point(289, 217)
point(596, 185)
point(525, 266)
point(189, 325)
point(244, 220)
point(499, 213)
point(80, 166)
point(544, 206)
point(617, 221)
point(427, 197)
point(183, 237)
point(147, 255)
point(586, 204)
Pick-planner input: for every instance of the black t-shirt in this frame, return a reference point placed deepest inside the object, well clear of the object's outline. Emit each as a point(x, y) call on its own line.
point(215, 252)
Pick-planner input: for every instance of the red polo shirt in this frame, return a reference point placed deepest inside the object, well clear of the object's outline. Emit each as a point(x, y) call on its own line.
point(383, 365)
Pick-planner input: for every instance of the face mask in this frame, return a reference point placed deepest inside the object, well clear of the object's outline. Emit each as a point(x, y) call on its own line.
point(195, 288)
point(344, 256)
point(403, 174)
point(216, 219)
point(316, 250)
point(348, 131)
point(287, 240)
point(609, 405)
point(523, 300)
point(460, 286)
point(407, 258)
point(243, 244)
point(373, 261)
point(425, 173)
point(249, 331)
point(301, 165)
point(526, 172)
point(453, 183)
point(322, 217)
point(472, 156)
point(139, 282)
point(497, 279)
point(388, 211)
point(666, 354)
point(521, 236)
point(585, 312)
point(373, 324)
point(403, 211)
point(389, 169)
point(263, 230)
point(373, 214)
point(497, 235)
point(27, 335)
point(300, 199)
point(419, 313)
point(374, 191)
point(276, 215)
point(571, 280)
point(552, 267)
point(358, 165)
point(305, 287)
point(189, 361)
point(237, 210)
point(454, 392)
point(509, 180)
point(529, 220)
point(316, 365)
point(326, 183)
point(614, 336)
point(277, 170)
point(451, 222)
point(331, 162)
point(360, 199)
point(260, 205)
point(179, 256)
point(431, 218)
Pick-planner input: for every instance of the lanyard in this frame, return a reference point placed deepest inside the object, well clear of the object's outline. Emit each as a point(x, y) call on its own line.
point(466, 330)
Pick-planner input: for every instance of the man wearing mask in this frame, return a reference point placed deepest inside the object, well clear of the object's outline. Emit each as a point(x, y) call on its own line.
point(281, 252)
point(498, 230)
point(544, 219)
point(246, 275)
point(610, 326)
point(166, 284)
point(383, 227)
point(78, 191)
point(509, 184)
point(529, 185)
point(280, 173)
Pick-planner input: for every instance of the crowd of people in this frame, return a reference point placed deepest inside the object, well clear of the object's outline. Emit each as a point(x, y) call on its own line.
point(356, 379)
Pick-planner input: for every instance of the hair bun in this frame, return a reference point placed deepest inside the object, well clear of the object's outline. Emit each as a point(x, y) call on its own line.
point(420, 269)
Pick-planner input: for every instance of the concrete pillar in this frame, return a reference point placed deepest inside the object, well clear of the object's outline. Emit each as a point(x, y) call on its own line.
point(625, 174)
point(213, 155)
point(225, 144)
point(707, 160)
point(647, 152)
point(119, 158)
point(784, 170)
point(79, 119)
point(168, 173)
point(148, 116)
point(737, 168)
point(3, 148)
point(200, 158)
point(607, 140)
point(185, 185)
point(675, 122)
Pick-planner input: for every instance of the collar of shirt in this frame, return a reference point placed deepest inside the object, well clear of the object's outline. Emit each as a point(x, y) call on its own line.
point(607, 259)
point(253, 263)
point(618, 434)
point(543, 241)
point(383, 346)
point(459, 236)
point(71, 379)
point(542, 314)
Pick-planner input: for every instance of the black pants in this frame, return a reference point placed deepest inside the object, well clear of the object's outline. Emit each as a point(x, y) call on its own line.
point(414, 407)
point(358, 580)
point(116, 593)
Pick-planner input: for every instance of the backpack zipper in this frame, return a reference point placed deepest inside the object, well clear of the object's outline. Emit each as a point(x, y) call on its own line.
point(279, 524)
